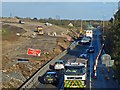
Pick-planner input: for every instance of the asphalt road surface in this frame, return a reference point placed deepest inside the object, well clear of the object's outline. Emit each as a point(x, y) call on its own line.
point(92, 83)
point(101, 82)
point(72, 54)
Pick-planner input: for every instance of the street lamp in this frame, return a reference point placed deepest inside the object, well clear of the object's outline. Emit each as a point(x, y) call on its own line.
point(103, 27)
point(103, 24)
point(81, 24)
point(113, 14)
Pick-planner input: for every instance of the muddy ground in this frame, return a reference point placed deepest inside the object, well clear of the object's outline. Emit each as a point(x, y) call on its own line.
point(15, 47)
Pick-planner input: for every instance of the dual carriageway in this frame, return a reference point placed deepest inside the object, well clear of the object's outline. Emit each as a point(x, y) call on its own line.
point(79, 49)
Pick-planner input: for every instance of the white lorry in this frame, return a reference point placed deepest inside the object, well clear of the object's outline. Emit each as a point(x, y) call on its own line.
point(75, 73)
point(89, 33)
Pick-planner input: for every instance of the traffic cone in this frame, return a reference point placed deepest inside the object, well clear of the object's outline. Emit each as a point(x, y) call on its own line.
point(95, 75)
point(94, 68)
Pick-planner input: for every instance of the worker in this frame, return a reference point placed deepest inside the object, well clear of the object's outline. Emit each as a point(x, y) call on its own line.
point(103, 70)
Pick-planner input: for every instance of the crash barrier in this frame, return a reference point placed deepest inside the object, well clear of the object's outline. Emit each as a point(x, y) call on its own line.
point(96, 61)
point(75, 43)
point(34, 78)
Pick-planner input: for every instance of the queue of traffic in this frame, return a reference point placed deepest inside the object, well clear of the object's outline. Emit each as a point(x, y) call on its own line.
point(75, 71)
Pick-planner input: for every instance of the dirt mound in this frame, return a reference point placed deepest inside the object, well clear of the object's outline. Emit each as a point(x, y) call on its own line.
point(62, 43)
point(54, 28)
point(9, 20)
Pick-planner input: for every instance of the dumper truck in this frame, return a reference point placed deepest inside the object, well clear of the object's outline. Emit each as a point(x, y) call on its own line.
point(40, 30)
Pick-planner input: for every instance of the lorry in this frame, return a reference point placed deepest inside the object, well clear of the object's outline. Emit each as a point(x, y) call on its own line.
point(75, 73)
point(85, 40)
point(40, 30)
point(89, 33)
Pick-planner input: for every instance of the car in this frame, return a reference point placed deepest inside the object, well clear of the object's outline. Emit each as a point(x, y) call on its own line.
point(84, 55)
point(51, 77)
point(59, 65)
point(91, 49)
point(90, 38)
point(85, 40)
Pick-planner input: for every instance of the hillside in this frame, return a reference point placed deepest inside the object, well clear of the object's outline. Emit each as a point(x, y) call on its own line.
point(15, 47)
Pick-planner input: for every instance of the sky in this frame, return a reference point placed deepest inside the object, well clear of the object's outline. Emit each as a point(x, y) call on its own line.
point(61, 10)
point(59, 0)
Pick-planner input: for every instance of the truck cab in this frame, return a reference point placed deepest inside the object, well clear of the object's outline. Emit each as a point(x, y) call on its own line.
point(75, 74)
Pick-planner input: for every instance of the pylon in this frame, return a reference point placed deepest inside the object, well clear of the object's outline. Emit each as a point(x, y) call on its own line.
point(94, 68)
point(95, 75)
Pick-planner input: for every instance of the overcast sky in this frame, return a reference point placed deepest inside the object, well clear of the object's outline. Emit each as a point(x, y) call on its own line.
point(62, 10)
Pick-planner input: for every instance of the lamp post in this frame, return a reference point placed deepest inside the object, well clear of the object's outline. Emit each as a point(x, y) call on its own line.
point(81, 24)
point(103, 27)
point(103, 24)
point(113, 14)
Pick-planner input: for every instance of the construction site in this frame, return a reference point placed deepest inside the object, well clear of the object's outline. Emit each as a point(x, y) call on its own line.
point(17, 37)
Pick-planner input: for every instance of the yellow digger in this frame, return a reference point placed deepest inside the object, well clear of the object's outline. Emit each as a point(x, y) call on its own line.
point(40, 30)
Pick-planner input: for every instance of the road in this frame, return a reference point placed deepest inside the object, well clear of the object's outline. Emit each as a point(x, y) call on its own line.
point(98, 83)
point(101, 81)
point(72, 54)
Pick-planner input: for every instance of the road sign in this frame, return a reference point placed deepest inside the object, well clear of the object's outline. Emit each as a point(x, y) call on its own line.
point(103, 61)
point(35, 52)
point(105, 57)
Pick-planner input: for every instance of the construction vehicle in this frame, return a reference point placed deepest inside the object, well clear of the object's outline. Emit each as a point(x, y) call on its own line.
point(40, 30)
point(78, 35)
point(75, 73)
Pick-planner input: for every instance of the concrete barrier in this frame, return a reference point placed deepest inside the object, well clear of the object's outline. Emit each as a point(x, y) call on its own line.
point(34, 78)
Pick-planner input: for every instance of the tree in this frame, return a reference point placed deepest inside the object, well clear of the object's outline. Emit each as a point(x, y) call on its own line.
point(35, 18)
point(113, 41)
point(111, 20)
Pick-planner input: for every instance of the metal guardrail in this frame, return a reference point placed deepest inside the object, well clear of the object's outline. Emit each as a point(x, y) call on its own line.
point(34, 78)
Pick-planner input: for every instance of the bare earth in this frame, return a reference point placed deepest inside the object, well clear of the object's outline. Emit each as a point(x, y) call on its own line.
point(14, 47)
